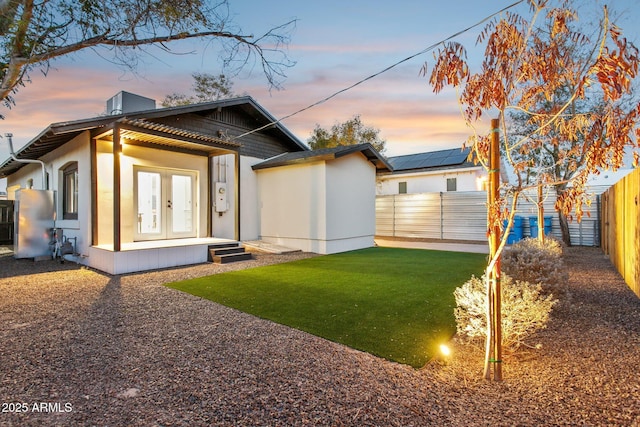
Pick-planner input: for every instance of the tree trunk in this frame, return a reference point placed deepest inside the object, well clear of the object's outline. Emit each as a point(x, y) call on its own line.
point(564, 222)
point(564, 228)
point(540, 207)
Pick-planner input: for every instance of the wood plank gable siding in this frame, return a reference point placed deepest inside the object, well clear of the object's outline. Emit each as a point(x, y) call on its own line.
point(230, 122)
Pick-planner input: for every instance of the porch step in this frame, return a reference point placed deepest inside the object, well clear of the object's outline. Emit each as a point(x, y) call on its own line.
point(223, 253)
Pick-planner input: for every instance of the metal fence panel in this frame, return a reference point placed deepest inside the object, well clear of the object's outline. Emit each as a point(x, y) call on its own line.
point(418, 215)
point(463, 216)
point(385, 219)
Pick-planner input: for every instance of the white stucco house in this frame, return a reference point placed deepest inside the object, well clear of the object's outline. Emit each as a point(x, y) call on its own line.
point(431, 172)
point(140, 190)
point(320, 201)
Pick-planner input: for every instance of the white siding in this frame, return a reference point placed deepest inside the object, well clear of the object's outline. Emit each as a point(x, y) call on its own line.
point(249, 205)
point(140, 156)
point(293, 206)
point(322, 207)
point(431, 182)
point(77, 150)
point(351, 203)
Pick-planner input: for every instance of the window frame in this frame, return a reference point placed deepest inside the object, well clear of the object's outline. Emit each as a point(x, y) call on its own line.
point(452, 184)
point(70, 184)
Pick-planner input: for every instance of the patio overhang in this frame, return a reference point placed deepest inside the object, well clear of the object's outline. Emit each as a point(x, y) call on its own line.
point(154, 135)
point(135, 131)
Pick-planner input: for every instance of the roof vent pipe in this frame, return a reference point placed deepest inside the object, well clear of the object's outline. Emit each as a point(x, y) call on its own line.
point(13, 156)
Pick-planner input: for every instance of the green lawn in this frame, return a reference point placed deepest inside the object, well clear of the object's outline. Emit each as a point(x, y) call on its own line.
point(394, 303)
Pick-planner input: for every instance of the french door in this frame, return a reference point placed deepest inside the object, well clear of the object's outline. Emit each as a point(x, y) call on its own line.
point(165, 203)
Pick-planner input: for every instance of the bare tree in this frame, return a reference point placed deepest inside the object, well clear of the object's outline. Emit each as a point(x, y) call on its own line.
point(34, 33)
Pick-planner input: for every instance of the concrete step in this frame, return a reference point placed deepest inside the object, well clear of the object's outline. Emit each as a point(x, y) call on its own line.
point(223, 253)
point(224, 259)
point(230, 250)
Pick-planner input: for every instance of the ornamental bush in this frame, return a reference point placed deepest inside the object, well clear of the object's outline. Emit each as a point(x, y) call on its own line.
point(525, 310)
point(530, 260)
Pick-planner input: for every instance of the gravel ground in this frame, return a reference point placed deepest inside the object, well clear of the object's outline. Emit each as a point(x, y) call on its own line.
point(84, 348)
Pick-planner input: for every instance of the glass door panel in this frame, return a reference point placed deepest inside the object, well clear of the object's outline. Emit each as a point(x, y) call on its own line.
point(181, 205)
point(149, 208)
point(165, 204)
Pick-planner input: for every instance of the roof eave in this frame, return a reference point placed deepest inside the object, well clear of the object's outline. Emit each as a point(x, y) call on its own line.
point(367, 150)
point(74, 128)
point(461, 167)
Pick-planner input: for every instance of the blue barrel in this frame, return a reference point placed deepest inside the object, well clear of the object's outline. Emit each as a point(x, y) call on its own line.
point(533, 226)
point(517, 231)
point(518, 228)
point(547, 225)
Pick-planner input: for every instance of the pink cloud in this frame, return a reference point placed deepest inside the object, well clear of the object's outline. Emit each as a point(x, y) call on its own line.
point(402, 106)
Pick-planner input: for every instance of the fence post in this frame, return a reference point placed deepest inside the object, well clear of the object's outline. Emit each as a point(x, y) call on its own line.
point(441, 216)
point(393, 215)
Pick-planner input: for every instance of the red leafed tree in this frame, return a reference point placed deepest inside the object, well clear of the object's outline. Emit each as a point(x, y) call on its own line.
point(542, 67)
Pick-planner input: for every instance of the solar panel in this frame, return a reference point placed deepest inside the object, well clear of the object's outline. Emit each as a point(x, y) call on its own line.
point(431, 159)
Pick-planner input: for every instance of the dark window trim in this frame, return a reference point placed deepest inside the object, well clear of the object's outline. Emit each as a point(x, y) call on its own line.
point(452, 184)
point(70, 212)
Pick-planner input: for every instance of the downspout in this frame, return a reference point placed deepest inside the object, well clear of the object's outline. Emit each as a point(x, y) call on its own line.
point(13, 156)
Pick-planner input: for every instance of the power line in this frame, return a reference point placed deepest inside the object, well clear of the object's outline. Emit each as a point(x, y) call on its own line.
point(427, 49)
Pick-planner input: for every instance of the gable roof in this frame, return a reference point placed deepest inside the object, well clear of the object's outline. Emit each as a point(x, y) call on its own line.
point(140, 124)
point(434, 160)
point(333, 153)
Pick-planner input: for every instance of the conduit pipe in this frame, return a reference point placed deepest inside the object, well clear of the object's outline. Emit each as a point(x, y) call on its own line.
point(9, 137)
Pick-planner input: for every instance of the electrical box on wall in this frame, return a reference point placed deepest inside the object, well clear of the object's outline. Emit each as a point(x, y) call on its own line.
point(221, 204)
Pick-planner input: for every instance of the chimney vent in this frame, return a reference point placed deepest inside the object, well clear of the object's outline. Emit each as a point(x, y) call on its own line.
point(125, 102)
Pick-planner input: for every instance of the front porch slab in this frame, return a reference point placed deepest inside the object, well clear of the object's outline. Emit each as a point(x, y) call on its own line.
point(151, 255)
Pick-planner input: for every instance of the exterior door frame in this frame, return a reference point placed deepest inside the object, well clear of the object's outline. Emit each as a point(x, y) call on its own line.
point(165, 218)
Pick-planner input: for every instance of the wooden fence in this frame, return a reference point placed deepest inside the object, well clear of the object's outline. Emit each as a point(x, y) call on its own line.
point(621, 230)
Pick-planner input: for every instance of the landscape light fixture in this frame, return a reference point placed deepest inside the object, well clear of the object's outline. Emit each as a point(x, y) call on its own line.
point(445, 350)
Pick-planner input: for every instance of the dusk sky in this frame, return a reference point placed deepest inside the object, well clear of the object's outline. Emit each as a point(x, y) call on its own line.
point(335, 44)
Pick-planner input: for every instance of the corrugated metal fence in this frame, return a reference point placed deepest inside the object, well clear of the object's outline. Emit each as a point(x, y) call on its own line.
point(463, 216)
point(621, 228)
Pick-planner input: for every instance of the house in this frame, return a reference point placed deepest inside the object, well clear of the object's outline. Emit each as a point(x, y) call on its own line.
point(432, 172)
point(150, 189)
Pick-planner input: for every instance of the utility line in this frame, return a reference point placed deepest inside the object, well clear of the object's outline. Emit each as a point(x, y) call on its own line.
point(431, 47)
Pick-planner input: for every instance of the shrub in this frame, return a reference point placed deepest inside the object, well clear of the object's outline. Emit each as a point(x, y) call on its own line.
point(530, 260)
point(525, 310)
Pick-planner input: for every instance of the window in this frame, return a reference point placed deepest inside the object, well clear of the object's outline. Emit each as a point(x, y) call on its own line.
point(452, 184)
point(402, 187)
point(70, 191)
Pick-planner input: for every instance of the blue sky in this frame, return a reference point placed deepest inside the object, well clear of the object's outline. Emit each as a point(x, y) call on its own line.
point(335, 44)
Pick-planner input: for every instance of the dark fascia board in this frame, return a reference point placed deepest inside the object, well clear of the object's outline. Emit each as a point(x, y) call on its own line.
point(287, 159)
point(371, 153)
